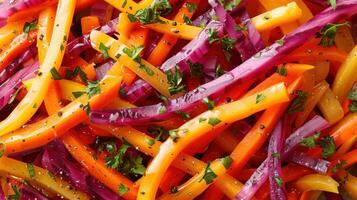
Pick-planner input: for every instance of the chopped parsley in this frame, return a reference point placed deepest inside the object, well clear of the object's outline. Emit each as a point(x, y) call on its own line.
point(281, 42)
point(219, 71)
point(175, 80)
point(117, 160)
point(55, 74)
point(162, 109)
point(13, 96)
point(150, 141)
point(191, 7)
point(93, 88)
point(229, 5)
point(122, 189)
point(124, 3)
point(134, 53)
point(183, 115)
point(241, 28)
point(298, 104)
point(163, 6)
point(353, 97)
point(353, 107)
point(208, 175)
point(173, 134)
point(328, 146)
point(31, 170)
point(328, 33)
point(200, 120)
point(282, 71)
point(78, 94)
point(212, 36)
point(226, 161)
point(213, 121)
point(2, 149)
point(310, 142)
point(16, 195)
point(209, 103)
point(332, 3)
point(87, 108)
point(77, 71)
point(159, 133)
point(195, 69)
point(104, 49)
point(338, 166)
point(186, 19)
point(30, 26)
point(147, 70)
point(278, 180)
point(148, 15)
point(259, 98)
point(228, 43)
point(276, 155)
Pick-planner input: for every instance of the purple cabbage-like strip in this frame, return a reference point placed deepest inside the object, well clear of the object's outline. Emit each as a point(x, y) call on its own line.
point(243, 43)
point(253, 67)
point(2, 195)
point(192, 52)
point(204, 19)
point(99, 9)
point(9, 7)
point(56, 159)
point(28, 193)
point(8, 88)
point(277, 192)
point(209, 64)
point(102, 70)
point(15, 64)
point(319, 165)
point(314, 125)
point(81, 44)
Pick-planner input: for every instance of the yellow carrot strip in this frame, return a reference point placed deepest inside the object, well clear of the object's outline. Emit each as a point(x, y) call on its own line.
point(350, 185)
point(313, 98)
point(187, 163)
point(346, 76)
point(9, 32)
point(269, 5)
point(33, 99)
point(45, 28)
point(42, 178)
point(179, 30)
point(306, 13)
point(317, 182)
point(153, 75)
point(43, 131)
point(345, 147)
point(276, 17)
point(330, 107)
point(194, 129)
point(197, 184)
point(344, 39)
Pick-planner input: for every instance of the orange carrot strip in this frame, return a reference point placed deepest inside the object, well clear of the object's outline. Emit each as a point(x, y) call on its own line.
point(89, 23)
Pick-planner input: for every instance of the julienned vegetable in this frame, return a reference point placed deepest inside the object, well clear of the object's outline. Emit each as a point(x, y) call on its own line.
point(258, 64)
point(239, 83)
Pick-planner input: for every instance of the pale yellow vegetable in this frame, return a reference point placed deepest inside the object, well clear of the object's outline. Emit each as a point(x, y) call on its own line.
point(346, 76)
point(276, 17)
point(317, 182)
point(344, 39)
point(330, 107)
point(42, 178)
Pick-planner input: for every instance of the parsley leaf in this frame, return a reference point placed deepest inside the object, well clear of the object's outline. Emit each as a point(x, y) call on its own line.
point(298, 104)
point(104, 50)
point(229, 5)
point(328, 33)
point(209, 175)
point(212, 35)
point(186, 19)
point(148, 15)
point(310, 142)
point(228, 43)
point(134, 53)
point(282, 71)
point(353, 94)
point(163, 6)
point(338, 166)
point(31, 170)
point(117, 160)
point(173, 134)
point(332, 3)
point(191, 7)
point(13, 96)
point(175, 80)
point(93, 88)
point(328, 146)
point(184, 115)
point(213, 121)
point(30, 26)
point(55, 74)
point(278, 180)
point(219, 71)
point(16, 195)
point(281, 42)
point(353, 107)
point(209, 103)
point(123, 189)
point(259, 98)
point(195, 69)
point(226, 161)
point(78, 94)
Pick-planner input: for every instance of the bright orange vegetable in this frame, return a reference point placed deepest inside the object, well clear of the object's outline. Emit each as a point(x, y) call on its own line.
point(89, 23)
point(45, 28)
point(345, 129)
point(317, 182)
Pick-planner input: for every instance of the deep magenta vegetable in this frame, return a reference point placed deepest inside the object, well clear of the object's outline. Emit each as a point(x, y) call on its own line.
point(99, 9)
point(15, 64)
point(277, 187)
point(9, 87)
point(9, 7)
point(253, 67)
point(82, 43)
point(102, 70)
point(314, 125)
point(319, 165)
point(209, 65)
point(243, 44)
point(28, 193)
